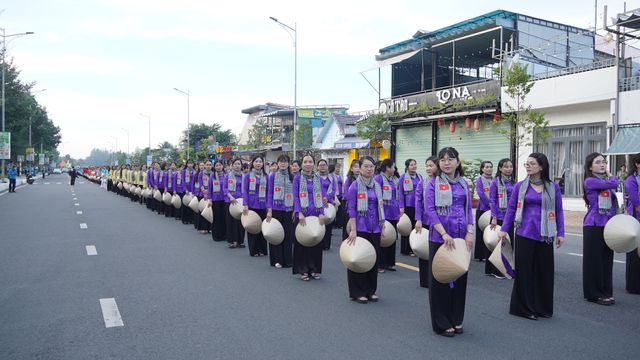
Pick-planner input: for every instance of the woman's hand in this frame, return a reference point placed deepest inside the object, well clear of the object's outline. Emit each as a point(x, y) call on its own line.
point(448, 242)
point(418, 226)
point(469, 239)
point(302, 220)
point(245, 210)
point(494, 223)
point(325, 202)
point(351, 240)
point(321, 220)
point(401, 211)
point(559, 241)
point(269, 215)
point(501, 235)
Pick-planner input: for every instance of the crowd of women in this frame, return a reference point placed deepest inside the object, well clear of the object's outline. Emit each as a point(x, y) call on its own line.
point(529, 213)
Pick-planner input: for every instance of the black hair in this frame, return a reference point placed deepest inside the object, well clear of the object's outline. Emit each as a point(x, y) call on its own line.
point(633, 161)
point(350, 174)
point(332, 168)
point(482, 164)
point(236, 159)
point(366, 158)
point(283, 157)
point(407, 163)
point(453, 154)
point(323, 160)
point(542, 160)
point(501, 164)
point(588, 162)
point(387, 163)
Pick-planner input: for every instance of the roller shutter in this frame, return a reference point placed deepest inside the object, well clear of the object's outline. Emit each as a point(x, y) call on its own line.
point(413, 143)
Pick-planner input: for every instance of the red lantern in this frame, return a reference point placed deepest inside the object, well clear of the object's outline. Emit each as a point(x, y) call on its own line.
point(440, 123)
point(452, 126)
point(476, 124)
point(468, 122)
point(496, 117)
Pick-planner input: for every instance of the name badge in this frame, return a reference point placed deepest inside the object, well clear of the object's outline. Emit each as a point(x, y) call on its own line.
point(552, 215)
point(230, 182)
point(205, 179)
point(362, 196)
point(604, 193)
point(252, 180)
point(277, 189)
point(444, 187)
point(319, 196)
point(407, 181)
point(263, 188)
point(519, 205)
point(289, 196)
point(486, 190)
point(500, 196)
point(385, 188)
point(215, 183)
point(303, 195)
point(187, 177)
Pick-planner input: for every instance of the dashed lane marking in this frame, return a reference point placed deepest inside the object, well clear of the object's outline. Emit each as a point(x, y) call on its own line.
point(79, 212)
point(91, 250)
point(76, 204)
point(83, 225)
point(110, 313)
point(580, 255)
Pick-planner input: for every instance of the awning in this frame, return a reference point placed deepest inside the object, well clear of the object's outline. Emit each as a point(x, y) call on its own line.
point(627, 141)
point(393, 60)
point(351, 143)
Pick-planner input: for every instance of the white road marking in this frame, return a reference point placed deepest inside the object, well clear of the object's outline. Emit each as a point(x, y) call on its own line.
point(91, 250)
point(83, 225)
point(82, 183)
point(58, 183)
point(46, 183)
point(615, 261)
point(573, 234)
point(79, 212)
point(574, 254)
point(76, 204)
point(110, 313)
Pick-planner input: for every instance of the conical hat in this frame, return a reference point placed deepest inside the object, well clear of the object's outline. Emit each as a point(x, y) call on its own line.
point(337, 202)
point(484, 220)
point(193, 204)
point(621, 233)
point(273, 231)
point(138, 191)
point(176, 201)
point(149, 193)
point(186, 199)
point(119, 185)
point(404, 225)
point(329, 214)
point(251, 222)
point(236, 209)
point(389, 235)
point(202, 204)
point(166, 198)
point(207, 213)
point(359, 257)
point(502, 256)
point(449, 265)
point(420, 243)
point(490, 237)
point(157, 195)
point(312, 233)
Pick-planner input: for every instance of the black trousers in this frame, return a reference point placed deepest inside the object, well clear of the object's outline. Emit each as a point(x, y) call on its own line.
point(257, 243)
point(218, 227)
point(405, 248)
point(326, 240)
point(424, 273)
point(12, 185)
point(283, 253)
point(445, 302)
point(533, 286)
point(386, 256)
point(186, 214)
point(597, 264)
point(364, 284)
point(341, 216)
point(160, 206)
point(480, 251)
point(73, 180)
point(633, 272)
point(345, 220)
point(306, 260)
point(235, 232)
point(109, 185)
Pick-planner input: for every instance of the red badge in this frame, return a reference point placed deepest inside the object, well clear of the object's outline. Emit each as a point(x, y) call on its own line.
point(362, 196)
point(604, 193)
point(303, 195)
point(230, 181)
point(277, 189)
point(407, 181)
point(519, 205)
point(444, 187)
point(552, 215)
point(499, 196)
point(289, 196)
point(252, 180)
point(486, 189)
point(215, 183)
point(318, 196)
point(385, 188)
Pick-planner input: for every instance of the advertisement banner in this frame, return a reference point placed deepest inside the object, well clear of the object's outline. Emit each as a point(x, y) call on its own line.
point(30, 154)
point(149, 160)
point(5, 145)
point(20, 158)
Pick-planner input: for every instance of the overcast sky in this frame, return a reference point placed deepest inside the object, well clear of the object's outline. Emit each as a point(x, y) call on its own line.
point(103, 62)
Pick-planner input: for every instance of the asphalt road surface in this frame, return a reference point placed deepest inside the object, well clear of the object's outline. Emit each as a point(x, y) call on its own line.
point(181, 296)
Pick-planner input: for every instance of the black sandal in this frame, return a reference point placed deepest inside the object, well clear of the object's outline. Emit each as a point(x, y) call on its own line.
point(448, 333)
point(458, 329)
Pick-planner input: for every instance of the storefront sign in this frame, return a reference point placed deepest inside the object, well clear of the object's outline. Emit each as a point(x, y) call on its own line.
point(20, 158)
point(5, 145)
point(30, 154)
point(225, 149)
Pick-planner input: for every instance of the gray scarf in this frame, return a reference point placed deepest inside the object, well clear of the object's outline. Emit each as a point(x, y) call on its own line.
point(444, 195)
point(388, 184)
point(282, 189)
point(548, 227)
point(205, 179)
point(303, 194)
point(486, 182)
point(215, 187)
point(502, 192)
point(231, 181)
point(604, 196)
point(169, 182)
point(362, 198)
point(407, 184)
point(262, 191)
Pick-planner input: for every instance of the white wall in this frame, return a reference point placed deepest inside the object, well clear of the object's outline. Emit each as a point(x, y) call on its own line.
point(333, 135)
point(248, 124)
point(629, 110)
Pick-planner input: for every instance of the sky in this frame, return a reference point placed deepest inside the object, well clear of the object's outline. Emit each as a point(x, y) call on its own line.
point(105, 62)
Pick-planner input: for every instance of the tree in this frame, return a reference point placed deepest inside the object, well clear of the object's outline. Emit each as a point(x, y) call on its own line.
point(200, 132)
point(526, 125)
point(376, 128)
point(258, 133)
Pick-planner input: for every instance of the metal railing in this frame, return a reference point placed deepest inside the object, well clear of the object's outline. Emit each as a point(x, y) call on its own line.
point(630, 83)
point(575, 69)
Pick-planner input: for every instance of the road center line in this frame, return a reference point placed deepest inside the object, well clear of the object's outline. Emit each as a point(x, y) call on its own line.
point(76, 204)
point(83, 225)
point(407, 266)
point(79, 212)
point(110, 313)
point(574, 254)
point(58, 183)
point(75, 198)
point(91, 250)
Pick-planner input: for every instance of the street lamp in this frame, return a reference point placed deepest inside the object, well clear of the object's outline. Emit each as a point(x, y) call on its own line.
point(188, 126)
point(294, 37)
point(148, 118)
point(4, 50)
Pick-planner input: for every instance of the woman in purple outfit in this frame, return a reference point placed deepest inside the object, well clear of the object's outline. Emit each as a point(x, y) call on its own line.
point(633, 208)
point(352, 175)
point(188, 178)
point(388, 181)
point(448, 204)
point(407, 186)
point(329, 191)
point(334, 171)
point(366, 220)
point(204, 226)
point(151, 185)
point(216, 199)
point(232, 189)
point(197, 192)
point(161, 184)
point(254, 197)
point(422, 219)
point(307, 201)
point(481, 253)
point(170, 188)
point(538, 200)
point(280, 207)
point(500, 192)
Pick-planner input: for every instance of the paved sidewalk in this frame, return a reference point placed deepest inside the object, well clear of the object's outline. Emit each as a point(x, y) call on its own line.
point(4, 186)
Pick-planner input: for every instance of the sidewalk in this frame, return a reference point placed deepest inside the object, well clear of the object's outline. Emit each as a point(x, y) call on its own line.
point(4, 186)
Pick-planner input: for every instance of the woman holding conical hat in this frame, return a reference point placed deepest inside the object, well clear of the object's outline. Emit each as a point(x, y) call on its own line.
point(448, 205)
point(254, 197)
point(162, 186)
point(216, 197)
point(150, 185)
point(538, 200)
point(500, 191)
point(334, 172)
point(197, 192)
point(179, 189)
point(407, 186)
point(633, 208)
point(352, 175)
point(599, 193)
point(203, 225)
point(307, 201)
point(189, 179)
point(329, 197)
point(280, 207)
point(142, 180)
point(171, 188)
point(232, 191)
point(366, 220)
point(422, 219)
point(483, 187)
point(388, 182)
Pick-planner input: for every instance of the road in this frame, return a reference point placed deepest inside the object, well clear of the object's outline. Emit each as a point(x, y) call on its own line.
point(182, 296)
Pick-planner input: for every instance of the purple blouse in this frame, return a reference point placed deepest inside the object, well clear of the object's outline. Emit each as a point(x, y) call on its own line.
point(455, 223)
point(409, 199)
point(311, 209)
point(325, 183)
point(483, 195)
point(339, 186)
point(178, 183)
point(161, 183)
point(391, 210)
point(270, 191)
point(218, 196)
point(225, 188)
point(251, 199)
point(593, 186)
point(532, 208)
point(421, 210)
point(203, 182)
point(631, 185)
point(367, 223)
point(496, 213)
point(150, 179)
point(188, 177)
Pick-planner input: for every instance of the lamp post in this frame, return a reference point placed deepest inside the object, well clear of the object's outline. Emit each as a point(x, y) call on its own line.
point(294, 37)
point(4, 50)
point(188, 123)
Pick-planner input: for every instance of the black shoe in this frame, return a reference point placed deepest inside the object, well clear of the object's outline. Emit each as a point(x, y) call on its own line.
point(458, 330)
point(448, 333)
point(531, 317)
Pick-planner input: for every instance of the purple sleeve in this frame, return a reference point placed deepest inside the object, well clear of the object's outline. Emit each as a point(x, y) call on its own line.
point(432, 215)
point(482, 196)
point(270, 184)
point(296, 194)
point(419, 201)
point(509, 217)
point(225, 185)
point(345, 188)
point(559, 211)
point(245, 189)
point(352, 201)
point(593, 183)
point(401, 191)
point(631, 184)
point(210, 186)
point(470, 210)
point(493, 195)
